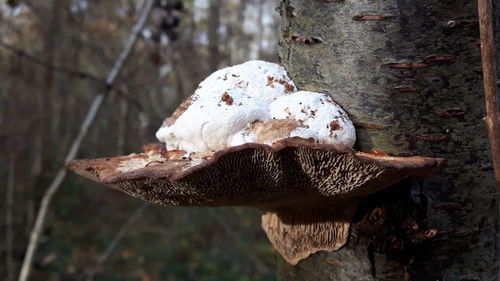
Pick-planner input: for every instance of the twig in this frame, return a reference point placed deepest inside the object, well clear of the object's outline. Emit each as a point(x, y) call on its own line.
point(119, 235)
point(489, 80)
point(49, 193)
point(63, 70)
point(96, 103)
point(259, 266)
point(82, 75)
point(8, 217)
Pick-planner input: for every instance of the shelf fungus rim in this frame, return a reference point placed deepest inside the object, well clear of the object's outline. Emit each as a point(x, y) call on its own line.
point(308, 191)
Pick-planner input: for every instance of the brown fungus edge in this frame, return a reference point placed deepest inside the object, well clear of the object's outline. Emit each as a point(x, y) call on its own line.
point(295, 234)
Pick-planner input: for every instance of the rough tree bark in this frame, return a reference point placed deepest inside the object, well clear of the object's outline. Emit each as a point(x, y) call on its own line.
point(408, 73)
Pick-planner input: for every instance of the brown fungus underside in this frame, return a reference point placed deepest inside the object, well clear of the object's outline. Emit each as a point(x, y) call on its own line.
point(309, 192)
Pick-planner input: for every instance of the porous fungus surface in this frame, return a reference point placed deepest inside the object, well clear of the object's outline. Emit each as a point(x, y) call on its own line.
point(292, 171)
point(309, 190)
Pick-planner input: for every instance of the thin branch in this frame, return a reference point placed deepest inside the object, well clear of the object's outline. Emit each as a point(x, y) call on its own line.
point(489, 80)
point(70, 72)
point(47, 65)
point(89, 118)
point(129, 45)
point(67, 71)
point(259, 266)
point(49, 193)
point(119, 235)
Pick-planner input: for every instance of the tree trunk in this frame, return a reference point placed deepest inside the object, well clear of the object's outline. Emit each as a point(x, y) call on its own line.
point(9, 231)
point(213, 34)
point(408, 74)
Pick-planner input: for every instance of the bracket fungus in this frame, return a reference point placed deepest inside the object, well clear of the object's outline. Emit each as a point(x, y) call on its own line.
point(287, 153)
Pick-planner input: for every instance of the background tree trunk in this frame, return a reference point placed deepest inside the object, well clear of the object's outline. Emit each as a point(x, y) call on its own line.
point(408, 73)
point(213, 34)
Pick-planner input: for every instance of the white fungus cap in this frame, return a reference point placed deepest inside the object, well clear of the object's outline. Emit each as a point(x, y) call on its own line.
point(260, 79)
point(210, 123)
point(224, 104)
point(237, 104)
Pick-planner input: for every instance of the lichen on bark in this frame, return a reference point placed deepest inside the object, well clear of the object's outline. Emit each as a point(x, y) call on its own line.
point(408, 74)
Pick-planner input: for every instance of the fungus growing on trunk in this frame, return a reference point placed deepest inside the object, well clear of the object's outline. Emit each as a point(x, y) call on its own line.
point(309, 191)
point(287, 153)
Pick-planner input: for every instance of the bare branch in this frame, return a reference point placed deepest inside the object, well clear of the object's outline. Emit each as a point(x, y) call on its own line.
point(489, 80)
point(119, 235)
point(63, 70)
point(49, 193)
point(96, 103)
point(129, 45)
point(79, 74)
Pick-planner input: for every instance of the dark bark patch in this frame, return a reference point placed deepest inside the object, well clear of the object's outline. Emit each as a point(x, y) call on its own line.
point(460, 23)
point(407, 89)
point(449, 113)
point(434, 138)
point(307, 40)
point(369, 126)
point(468, 22)
point(291, 11)
point(371, 17)
point(418, 237)
point(333, 263)
point(449, 206)
point(405, 65)
point(440, 59)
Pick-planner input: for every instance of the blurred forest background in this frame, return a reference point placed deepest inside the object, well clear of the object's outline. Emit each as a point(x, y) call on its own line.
point(54, 56)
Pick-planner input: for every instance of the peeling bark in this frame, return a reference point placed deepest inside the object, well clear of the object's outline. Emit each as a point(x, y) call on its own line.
point(405, 69)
